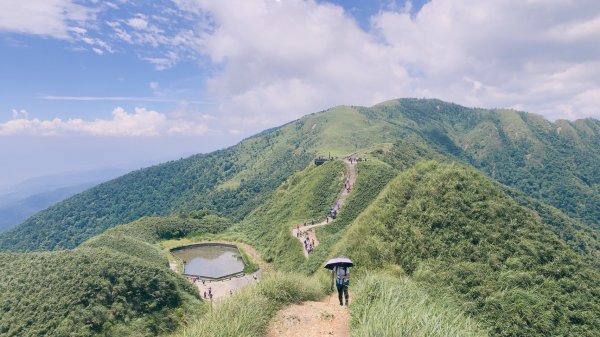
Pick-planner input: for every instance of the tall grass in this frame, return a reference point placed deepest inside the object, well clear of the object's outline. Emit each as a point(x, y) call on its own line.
point(248, 312)
point(389, 306)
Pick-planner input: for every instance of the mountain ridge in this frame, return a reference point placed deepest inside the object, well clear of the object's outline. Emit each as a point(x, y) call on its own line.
point(555, 167)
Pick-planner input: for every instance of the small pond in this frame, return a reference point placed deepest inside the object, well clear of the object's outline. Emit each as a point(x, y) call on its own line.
point(210, 260)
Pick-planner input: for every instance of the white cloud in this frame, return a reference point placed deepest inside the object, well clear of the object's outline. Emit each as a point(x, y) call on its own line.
point(141, 122)
point(284, 59)
point(16, 114)
point(140, 21)
point(281, 59)
point(42, 17)
point(162, 63)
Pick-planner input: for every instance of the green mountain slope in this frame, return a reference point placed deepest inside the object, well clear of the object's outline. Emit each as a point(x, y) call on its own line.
point(115, 284)
point(554, 162)
point(450, 227)
point(86, 292)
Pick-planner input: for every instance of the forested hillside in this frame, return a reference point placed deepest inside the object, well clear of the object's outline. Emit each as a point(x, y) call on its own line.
point(116, 284)
point(553, 162)
point(450, 227)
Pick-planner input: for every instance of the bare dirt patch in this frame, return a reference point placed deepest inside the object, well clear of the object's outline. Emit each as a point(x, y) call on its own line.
point(308, 319)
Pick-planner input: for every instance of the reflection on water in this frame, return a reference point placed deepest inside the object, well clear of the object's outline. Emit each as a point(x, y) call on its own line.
point(211, 261)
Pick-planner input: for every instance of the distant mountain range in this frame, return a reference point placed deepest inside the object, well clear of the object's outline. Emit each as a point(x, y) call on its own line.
point(20, 201)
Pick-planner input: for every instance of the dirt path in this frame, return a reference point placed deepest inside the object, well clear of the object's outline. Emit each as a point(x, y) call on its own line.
point(308, 231)
point(308, 319)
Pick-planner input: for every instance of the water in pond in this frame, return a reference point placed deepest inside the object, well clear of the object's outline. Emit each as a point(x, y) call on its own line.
point(211, 261)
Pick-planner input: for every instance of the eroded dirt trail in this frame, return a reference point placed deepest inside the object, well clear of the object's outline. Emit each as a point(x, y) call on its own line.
point(308, 319)
point(308, 231)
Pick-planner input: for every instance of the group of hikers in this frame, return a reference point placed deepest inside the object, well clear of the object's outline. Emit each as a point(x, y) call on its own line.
point(354, 160)
point(309, 244)
point(210, 293)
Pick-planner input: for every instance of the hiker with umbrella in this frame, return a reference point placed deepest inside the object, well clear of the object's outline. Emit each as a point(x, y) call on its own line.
point(340, 270)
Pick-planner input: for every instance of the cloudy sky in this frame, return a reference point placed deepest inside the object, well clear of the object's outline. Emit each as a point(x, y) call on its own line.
point(87, 84)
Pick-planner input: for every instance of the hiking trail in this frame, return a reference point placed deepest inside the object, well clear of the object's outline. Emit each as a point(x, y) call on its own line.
point(311, 319)
point(341, 198)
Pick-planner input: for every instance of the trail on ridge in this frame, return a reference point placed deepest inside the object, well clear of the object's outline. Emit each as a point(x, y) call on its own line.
point(316, 318)
point(342, 196)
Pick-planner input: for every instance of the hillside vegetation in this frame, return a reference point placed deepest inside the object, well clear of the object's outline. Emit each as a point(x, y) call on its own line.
point(482, 222)
point(115, 284)
point(384, 305)
point(450, 227)
point(305, 196)
point(87, 292)
point(553, 162)
point(372, 177)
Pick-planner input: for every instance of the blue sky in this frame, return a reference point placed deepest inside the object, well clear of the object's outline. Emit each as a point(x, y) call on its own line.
point(88, 84)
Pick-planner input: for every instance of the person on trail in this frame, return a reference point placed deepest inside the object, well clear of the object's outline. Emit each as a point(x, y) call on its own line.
point(342, 281)
point(204, 294)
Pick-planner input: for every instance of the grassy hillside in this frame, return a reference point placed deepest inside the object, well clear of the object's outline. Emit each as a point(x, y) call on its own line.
point(249, 311)
point(582, 238)
point(305, 196)
point(450, 227)
point(87, 292)
point(372, 177)
point(384, 305)
point(230, 182)
point(115, 284)
point(554, 162)
point(14, 210)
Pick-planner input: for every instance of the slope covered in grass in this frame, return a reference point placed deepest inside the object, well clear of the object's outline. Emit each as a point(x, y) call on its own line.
point(582, 238)
point(372, 176)
point(449, 226)
point(249, 311)
point(115, 284)
point(384, 306)
point(88, 292)
point(256, 166)
point(305, 196)
point(554, 162)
